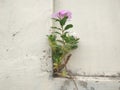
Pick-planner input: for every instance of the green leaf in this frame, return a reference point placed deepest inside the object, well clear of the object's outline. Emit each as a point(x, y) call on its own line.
point(57, 33)
point(63, 36)
point(51, 37)
point(63, 21)
point(68, 26)
point(56, 28)
point(74, 46)
point(57, 53)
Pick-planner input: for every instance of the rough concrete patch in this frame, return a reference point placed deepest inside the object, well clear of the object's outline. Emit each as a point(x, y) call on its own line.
point(119, 88)
point(92, 88)
point(63, 88)
point(83, 84)
point(114, 77)
point(46, 60)
point(96, 81)
point(65, 84)
point(118, 74)
point(74, 88)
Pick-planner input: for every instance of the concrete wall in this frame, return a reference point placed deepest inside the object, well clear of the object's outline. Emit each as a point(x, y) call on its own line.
point(24, 52)
point(98, 23)
point(24, 25)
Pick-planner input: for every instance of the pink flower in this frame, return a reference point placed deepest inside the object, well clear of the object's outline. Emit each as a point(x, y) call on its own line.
point(62, 13)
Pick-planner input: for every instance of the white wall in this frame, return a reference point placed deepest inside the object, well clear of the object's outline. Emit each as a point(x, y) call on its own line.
point(24, 51)
point(98, 24)
point(24, 25)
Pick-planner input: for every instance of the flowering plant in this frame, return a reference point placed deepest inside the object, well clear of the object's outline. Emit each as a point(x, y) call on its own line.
point(62, 41)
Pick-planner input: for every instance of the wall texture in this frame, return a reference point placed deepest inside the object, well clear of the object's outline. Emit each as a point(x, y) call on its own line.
point(24, 25)
point(25, 62)
point(98, 23)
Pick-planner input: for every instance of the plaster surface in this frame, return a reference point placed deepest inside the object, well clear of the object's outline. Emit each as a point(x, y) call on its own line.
point(24, 25)
point(25, 62)
point(97, 22)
